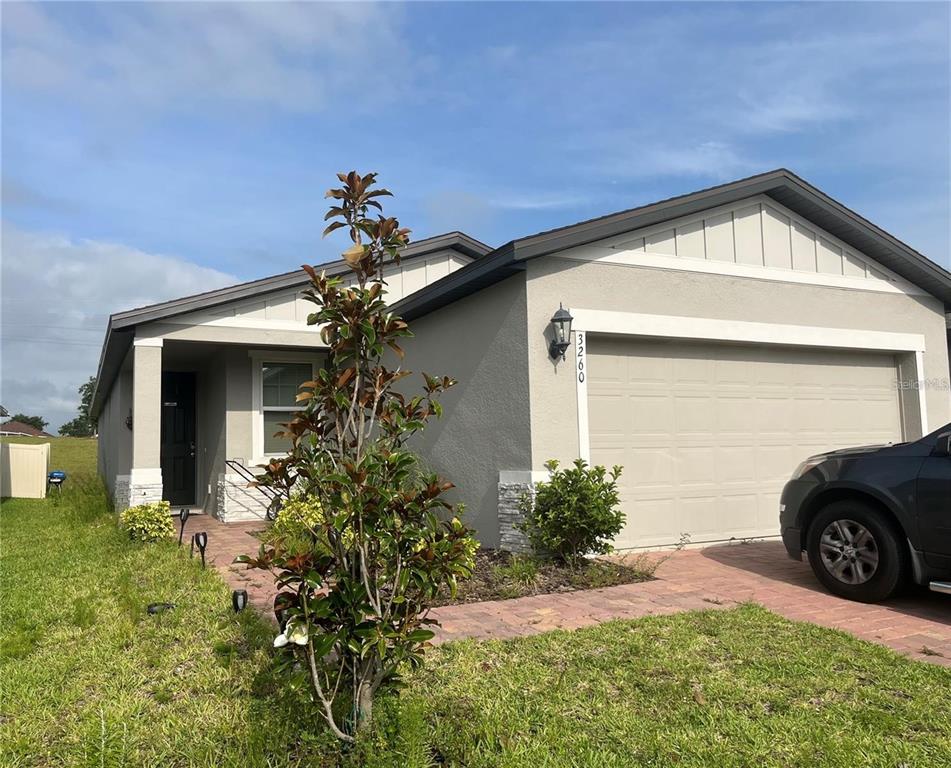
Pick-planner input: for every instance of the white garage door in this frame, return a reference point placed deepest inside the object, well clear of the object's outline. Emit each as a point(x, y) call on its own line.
point(709, 433)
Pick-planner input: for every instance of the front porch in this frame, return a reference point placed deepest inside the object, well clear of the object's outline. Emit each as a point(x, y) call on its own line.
point(201, 416)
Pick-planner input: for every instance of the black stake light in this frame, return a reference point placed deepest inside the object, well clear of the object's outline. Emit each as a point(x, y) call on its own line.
point(201, 541)
point(183, 514)
point(239, 599)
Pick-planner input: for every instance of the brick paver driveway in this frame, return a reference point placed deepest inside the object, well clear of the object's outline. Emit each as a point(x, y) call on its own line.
point(917, 624)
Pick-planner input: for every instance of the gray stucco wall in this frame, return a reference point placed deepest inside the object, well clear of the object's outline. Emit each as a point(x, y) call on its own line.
point(115, 438)
point(481, 342)
point(588, 285)
point(210, 428)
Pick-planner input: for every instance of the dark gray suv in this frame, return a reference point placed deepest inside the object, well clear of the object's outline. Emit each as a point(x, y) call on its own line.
point(868, 518)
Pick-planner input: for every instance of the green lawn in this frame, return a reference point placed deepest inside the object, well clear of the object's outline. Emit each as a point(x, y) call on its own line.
point(74, 454)
point(88, 679)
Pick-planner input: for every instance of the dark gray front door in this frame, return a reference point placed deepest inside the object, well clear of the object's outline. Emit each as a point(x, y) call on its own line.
point(178, 438)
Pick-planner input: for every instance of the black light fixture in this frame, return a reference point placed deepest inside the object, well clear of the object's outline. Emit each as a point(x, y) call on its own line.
point(239, 599)
point(561, 328)
point(183, 514)
point(200, 540)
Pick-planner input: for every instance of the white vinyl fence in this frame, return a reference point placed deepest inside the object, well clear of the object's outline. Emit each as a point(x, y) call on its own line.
point(24, 469)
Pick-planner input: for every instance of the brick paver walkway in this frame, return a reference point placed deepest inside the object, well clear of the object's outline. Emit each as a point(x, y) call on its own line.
point(917, 624)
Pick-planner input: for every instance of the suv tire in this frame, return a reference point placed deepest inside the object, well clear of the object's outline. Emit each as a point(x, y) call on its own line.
point(855, 551)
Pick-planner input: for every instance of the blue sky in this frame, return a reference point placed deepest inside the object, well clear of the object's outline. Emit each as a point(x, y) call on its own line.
point(155, 150)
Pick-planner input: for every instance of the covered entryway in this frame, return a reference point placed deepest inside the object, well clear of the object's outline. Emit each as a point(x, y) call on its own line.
point(708, 432)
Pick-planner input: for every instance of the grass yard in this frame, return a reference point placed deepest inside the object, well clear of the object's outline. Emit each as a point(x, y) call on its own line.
point(87, 678)
point(74, 454)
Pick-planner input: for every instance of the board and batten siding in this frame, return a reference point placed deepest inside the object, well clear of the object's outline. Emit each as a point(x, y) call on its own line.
point(755, 232)
point(287, 306)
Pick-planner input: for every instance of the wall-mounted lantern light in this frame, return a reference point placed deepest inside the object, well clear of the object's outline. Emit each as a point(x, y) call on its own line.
point(561, 328)
point(183, 514)
point(239, 599)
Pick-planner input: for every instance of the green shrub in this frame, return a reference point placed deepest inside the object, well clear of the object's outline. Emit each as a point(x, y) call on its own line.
point(520, 569)
point(148, 522)
point(298, 524)
point(576, 513)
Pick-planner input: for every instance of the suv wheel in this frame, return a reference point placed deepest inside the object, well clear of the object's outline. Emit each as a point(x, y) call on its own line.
point(855, 552)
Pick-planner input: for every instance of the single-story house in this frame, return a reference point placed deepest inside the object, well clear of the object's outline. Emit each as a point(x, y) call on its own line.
point(718, 338)
point(19, 429)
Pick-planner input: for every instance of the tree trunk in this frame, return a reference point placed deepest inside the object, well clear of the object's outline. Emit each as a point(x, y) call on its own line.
point(364, 707)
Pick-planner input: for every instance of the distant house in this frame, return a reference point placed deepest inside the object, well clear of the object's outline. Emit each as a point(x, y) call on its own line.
point(20, 429)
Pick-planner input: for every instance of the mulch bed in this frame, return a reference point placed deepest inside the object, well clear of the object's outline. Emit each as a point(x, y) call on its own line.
point(501, 576)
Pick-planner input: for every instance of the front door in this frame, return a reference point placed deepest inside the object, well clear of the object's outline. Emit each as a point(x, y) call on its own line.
point(178, 438)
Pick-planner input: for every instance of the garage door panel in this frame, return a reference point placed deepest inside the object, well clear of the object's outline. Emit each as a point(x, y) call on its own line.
point(651, 520)
point(609, 417)
point(774, 463)
point(647, 467)
point(734, 414)
point(736, 464)
point(649, 415)
point(694, 414)
point(700, 516)
point(709, 433)
point(696, 466)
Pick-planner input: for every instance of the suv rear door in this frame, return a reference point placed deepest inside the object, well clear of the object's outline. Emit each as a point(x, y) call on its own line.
point(934, 503)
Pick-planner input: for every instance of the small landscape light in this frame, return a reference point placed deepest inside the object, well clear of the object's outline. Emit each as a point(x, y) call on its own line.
point(561, 328)
point(239, 599)
point(200, 540)
point(183, 514)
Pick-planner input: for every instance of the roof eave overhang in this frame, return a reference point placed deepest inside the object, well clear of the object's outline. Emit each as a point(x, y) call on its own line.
point(121, 328)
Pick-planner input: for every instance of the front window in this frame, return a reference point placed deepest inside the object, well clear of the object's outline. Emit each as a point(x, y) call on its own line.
point(280, 383)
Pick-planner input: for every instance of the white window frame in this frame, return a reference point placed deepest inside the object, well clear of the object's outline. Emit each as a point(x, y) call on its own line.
point(599, 321)
point(258, 358)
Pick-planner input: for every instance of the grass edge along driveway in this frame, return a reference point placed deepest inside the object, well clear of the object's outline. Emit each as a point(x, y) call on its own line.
point(88, 679)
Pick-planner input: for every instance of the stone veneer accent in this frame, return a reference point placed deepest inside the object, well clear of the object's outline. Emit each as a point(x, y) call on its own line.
point(511, 538)
point(130, 494)
point(121, 493)
point(238, 503)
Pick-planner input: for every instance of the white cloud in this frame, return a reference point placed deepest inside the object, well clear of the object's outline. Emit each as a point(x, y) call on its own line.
point(292, 56)
point(528, 201)
point(57, 295)
point(633, 159)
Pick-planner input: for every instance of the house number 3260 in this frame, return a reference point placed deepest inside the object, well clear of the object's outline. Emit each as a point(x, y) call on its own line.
point(579, 335)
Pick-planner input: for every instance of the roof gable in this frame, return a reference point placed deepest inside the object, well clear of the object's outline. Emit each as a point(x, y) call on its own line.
point(781, 186)
point(272, 300)
point(753, 237)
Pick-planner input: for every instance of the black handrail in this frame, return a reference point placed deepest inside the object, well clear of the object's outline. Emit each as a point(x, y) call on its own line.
point(275, 497)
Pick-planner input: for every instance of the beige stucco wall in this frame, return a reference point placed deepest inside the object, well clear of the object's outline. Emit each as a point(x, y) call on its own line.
point(480, 341)
point(592, 285)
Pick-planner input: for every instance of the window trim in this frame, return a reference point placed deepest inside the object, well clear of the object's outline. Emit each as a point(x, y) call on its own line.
point(258, 409)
